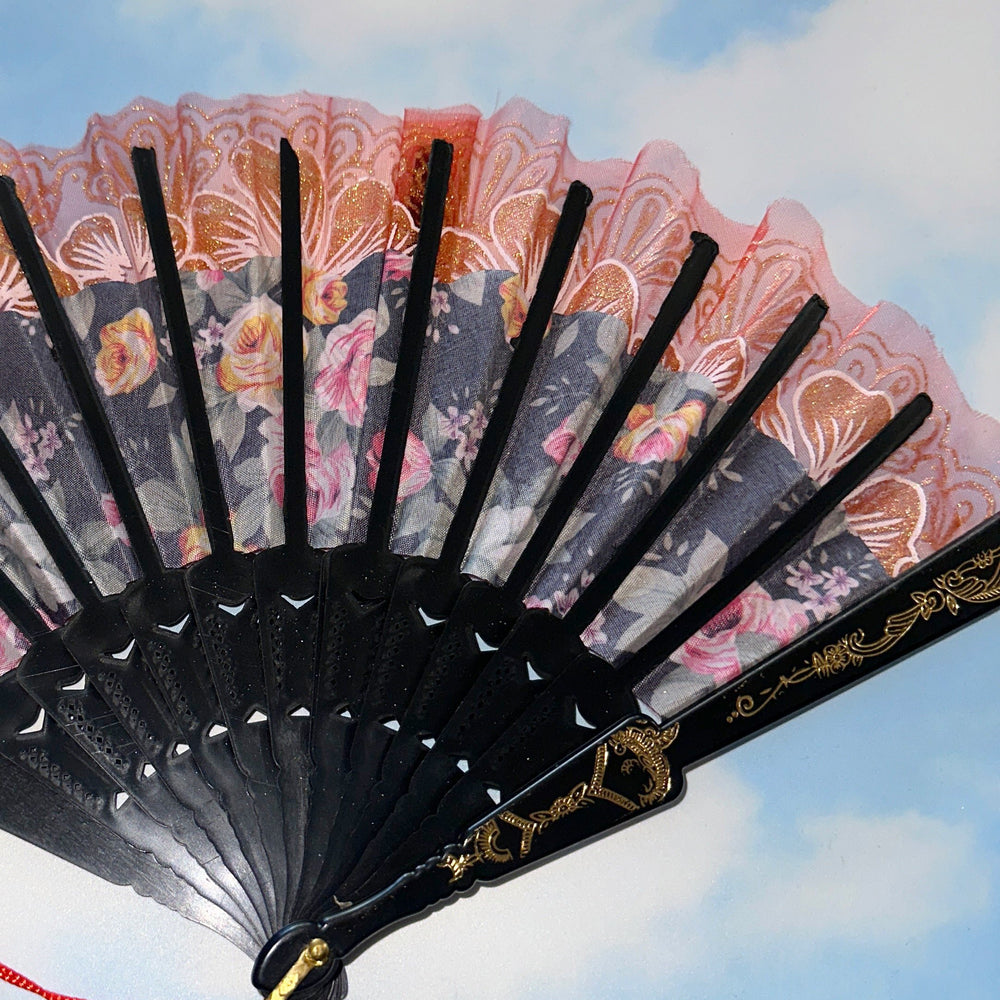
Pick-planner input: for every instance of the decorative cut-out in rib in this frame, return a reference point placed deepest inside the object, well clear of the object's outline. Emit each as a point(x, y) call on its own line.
point(36, 726)
point(177, 627)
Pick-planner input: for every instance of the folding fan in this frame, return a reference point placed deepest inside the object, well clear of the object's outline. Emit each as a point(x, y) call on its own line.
point(562, 483)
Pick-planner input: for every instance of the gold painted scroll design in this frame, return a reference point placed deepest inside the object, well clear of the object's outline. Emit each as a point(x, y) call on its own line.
point(642, 747)
point(974, 581)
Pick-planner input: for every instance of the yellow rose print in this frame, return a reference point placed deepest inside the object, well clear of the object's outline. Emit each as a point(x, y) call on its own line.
point(323, 297)
point(251, 360)
point(515, 306)
point(128, 353)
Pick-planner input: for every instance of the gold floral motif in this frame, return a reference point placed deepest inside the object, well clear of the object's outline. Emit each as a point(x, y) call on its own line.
point(950, 589)
point(481, 847)
point(647, 746)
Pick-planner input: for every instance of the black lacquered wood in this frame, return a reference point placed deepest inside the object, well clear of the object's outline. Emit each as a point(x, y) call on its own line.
point(415, 316)
point(425, 589)
point(792, 680)
point(529, 340)
point(503, 733)
point(216, 511)
point(671, 314)
point(697, 468)
point(293, 417)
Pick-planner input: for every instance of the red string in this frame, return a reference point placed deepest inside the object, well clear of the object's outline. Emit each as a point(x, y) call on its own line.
point(8, 975)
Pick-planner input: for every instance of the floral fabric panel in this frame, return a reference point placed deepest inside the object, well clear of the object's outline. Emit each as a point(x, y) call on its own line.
point(13, 645)
point(39, 416)
point(349, 349)
point(473, 327)
point(574, 375)
point(666, 424)
point(124, 337)
point(753, 489)
point(236, 324)
point(350, 364)
point(28, 565)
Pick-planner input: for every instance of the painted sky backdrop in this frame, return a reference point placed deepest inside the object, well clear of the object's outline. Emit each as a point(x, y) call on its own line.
point(854, 851)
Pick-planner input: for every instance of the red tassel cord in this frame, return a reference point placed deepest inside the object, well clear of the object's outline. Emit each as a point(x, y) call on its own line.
point(8, 975)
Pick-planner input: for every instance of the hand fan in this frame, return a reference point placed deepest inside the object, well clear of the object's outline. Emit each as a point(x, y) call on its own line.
point(389, 504)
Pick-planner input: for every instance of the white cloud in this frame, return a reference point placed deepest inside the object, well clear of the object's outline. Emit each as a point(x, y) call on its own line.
point(544, 932)
point(688, 896)
point(871, 881)
point(74, 933)
point(880, 115)
point(984, 363)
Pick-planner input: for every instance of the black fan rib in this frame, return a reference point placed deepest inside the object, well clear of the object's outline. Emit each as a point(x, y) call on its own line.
point(42, 519)
point(411, 345)
point(20, 610)
point(213, 498)
point(765, 555)
point(69, 355)
point(675, 307)
point(627, 556)
point(515, 382)
point(293, 395)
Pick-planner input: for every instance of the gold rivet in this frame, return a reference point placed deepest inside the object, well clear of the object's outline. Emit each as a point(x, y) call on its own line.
point(319, 952)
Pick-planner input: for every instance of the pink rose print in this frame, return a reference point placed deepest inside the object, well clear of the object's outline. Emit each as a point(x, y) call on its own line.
point(659, 439)
point(562, 445)
point(342, 382)
point(205, 279)
point(112, 515)
point(329, 482)
point(12, 645)
point(416, 472)
point(713, 650)
point(324, 297)
point(397, 266)
point(329, 478)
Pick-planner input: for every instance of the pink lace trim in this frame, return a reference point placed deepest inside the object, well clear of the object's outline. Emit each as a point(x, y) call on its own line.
point(361, 183)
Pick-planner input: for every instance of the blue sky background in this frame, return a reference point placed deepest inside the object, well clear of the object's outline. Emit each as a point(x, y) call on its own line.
point(854, 851)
